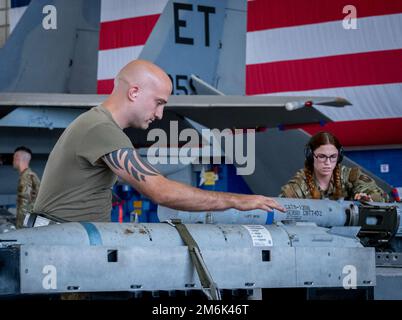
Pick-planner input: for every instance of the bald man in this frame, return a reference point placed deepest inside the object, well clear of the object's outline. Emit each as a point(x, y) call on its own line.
point(28, 184)
point(94, 150)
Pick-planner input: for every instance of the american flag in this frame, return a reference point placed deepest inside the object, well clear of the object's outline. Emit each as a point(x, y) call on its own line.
point(294, 47)
point(304, 48)
point(124, 29)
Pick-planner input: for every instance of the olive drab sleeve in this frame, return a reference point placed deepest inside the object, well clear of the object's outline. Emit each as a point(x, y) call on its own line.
point(296, 187)
point(362, 183)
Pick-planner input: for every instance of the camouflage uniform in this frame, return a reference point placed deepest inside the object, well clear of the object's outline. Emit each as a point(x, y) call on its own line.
point(353, 181)
point(28, 187)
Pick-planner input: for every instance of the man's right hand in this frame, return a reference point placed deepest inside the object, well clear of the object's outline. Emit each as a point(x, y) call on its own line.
point(251, 202)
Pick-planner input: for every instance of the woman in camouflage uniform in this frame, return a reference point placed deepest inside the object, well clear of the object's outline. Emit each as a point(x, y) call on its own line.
point(28, 184)
point(324, 177)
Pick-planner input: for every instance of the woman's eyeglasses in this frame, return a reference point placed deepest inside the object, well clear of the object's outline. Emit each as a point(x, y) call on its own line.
point(322, 157)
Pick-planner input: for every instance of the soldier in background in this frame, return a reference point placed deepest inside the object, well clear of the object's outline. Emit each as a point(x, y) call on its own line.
point(323, 176)
point(28, 184)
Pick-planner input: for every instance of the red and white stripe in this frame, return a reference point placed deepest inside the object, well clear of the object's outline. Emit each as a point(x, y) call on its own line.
point(124, 30)
point(301, 48)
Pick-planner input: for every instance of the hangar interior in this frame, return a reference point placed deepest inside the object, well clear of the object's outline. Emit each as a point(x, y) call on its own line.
point(259, 71)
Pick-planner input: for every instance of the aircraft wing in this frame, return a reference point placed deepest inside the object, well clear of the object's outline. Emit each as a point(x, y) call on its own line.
point(252, 111)
point(209, 110)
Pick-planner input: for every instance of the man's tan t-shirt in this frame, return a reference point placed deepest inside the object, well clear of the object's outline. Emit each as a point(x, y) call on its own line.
point(76, 183)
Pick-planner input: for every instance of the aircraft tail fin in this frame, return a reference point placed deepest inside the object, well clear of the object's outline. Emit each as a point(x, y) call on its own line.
point(46, 54)
point(201, 39)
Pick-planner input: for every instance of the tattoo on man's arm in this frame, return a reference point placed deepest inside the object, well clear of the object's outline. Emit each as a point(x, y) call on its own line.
point(127, 159)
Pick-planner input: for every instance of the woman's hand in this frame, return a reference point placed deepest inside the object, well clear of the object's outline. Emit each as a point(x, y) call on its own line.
point(363, 197)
